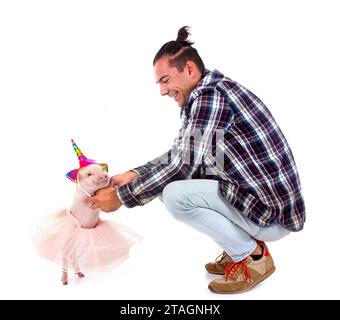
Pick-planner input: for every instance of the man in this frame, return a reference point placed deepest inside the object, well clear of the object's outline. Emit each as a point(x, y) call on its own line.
point(229, 174)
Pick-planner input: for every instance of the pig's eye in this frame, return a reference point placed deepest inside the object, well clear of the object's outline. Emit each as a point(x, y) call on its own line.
point(89, 174)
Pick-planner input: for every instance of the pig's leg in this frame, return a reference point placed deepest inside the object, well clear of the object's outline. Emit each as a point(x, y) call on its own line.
point(77, 271)
point(64, 278)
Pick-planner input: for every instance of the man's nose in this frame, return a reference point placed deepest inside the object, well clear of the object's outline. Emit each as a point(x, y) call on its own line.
point(163, 91)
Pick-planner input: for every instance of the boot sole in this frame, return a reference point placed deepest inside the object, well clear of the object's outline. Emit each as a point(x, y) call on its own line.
point(264, 277)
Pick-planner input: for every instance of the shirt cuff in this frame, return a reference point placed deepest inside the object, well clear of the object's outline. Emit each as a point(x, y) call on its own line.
point(127, 198)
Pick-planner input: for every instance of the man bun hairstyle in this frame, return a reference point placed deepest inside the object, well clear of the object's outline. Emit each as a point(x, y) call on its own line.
point(180, 51)
point(183, 34)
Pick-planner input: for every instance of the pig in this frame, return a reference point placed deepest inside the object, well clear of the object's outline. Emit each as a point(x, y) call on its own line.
point(76, 237)
point(90, 179)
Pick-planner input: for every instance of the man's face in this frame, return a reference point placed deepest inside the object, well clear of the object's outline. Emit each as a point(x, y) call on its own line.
point(175, 84)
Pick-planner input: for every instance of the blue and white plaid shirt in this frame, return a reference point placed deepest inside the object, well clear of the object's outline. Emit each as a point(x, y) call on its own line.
point(228, 135)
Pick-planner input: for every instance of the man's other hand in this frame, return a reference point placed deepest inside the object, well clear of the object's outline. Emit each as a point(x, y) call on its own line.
point(123, 178)
point(105, 199)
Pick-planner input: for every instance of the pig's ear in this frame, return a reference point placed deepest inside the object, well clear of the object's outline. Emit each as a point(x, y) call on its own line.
point(104, 166)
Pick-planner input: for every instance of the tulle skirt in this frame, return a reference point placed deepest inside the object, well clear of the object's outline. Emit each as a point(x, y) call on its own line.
point(60, 238)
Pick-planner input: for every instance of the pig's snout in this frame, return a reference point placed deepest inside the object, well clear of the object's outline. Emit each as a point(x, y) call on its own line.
point(103, 178)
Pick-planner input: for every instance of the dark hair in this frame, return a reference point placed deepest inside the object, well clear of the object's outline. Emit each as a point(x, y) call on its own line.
point(180, 51)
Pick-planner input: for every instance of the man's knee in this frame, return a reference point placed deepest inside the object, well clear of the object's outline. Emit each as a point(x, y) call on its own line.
point(172, 194)
point(174, 199)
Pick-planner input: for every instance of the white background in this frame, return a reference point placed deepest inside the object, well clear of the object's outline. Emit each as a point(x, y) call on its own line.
point(83, 70)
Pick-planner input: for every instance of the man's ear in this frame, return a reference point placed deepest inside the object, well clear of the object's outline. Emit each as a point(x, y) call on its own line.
point(191, 68)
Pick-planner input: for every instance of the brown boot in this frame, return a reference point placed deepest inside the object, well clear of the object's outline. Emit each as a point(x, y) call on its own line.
point(220, 264)
point(244, 275)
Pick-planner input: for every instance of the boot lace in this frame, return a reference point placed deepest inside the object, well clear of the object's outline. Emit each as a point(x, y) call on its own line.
point(231, 269)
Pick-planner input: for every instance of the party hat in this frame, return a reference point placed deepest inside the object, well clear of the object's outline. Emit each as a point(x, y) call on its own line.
point(83, 162)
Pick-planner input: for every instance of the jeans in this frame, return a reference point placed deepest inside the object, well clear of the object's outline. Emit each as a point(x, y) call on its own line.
point(199, 204)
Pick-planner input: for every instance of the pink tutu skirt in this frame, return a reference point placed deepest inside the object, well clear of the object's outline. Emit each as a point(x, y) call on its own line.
point(60, 238)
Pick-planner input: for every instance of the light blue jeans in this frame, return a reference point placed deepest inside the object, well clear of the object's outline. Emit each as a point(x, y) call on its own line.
point(199, 204)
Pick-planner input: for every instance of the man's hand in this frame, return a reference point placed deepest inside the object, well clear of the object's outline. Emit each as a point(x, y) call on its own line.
point(106, 199)
point(123, 178)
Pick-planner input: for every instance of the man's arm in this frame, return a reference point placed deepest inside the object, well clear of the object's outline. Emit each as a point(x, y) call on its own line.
point(209, 112)
point(151, 164)
point(107, 199)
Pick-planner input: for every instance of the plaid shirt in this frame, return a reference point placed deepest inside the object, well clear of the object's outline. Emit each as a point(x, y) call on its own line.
point(228, 135)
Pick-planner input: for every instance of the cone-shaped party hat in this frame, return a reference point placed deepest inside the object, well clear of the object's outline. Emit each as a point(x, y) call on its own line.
point(83, 162)
point(79, 154)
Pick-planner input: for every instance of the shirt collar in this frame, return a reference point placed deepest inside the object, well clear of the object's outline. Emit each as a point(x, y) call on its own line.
point(209, 79)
